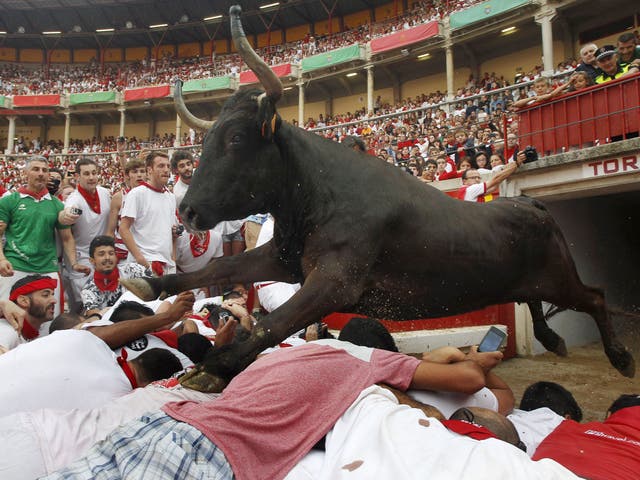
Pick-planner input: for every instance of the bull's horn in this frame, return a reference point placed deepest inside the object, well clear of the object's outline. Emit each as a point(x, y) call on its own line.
point(268, 79)
point(187, 117)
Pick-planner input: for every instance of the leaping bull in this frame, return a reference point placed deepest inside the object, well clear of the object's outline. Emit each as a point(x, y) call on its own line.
point(361, 235)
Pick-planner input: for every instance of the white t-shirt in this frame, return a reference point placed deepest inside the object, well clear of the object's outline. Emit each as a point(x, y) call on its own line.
point(534, 426)
point(180, 190)
point(154, 215)
point(55, 438)
point(449, 402)
point(473, 191)
point(185, 259)
point(358, 447)
point(67, 369)
point(137, 347)
point(90, 224)
point(272, 294)
point(9, 337)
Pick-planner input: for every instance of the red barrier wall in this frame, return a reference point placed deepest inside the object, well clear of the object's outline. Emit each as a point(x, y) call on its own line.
point(588, 117)
point(497, 314)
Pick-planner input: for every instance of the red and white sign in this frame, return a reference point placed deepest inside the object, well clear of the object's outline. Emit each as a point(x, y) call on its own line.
point(612, 166)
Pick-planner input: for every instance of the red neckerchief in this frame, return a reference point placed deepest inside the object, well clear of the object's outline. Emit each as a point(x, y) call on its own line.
point(126, 368)
point(37, 196)
point(158, 267)
point(468, 429)
point(199, 247)
point(159, 190)
point(106, 282)
point(167, 336)
point(28, 332)
point(93, 199)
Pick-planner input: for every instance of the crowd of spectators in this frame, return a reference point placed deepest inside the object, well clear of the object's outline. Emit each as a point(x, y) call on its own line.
point(20, 79)
point(408, 139)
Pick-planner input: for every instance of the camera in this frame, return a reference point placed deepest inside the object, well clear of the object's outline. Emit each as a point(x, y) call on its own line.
point(75, 210)
point(179, 230)
point(530, 154)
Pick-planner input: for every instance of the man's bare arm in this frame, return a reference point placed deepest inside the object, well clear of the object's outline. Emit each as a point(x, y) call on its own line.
point(121, 333)
point(6, 269)
point(69, 247)
point(127, 238)
point(114, 211)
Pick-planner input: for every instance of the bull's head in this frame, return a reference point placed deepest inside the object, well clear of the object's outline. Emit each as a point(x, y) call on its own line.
point(240, 167)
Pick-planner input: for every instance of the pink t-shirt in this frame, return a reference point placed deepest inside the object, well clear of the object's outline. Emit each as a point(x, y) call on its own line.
point(271, 414)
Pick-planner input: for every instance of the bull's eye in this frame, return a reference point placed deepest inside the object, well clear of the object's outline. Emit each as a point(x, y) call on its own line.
point(236, 139)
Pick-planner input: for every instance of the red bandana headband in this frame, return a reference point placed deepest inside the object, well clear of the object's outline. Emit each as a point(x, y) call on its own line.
point(40, 284)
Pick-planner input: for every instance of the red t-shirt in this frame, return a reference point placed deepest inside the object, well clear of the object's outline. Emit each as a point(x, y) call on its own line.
point(270, 415)
point(597, 450)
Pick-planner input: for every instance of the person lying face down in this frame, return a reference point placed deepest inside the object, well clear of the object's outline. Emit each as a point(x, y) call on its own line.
point(39, 442)
point(282, 425)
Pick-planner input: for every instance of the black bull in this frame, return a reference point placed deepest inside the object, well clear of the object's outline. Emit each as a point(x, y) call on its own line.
point(365, 237)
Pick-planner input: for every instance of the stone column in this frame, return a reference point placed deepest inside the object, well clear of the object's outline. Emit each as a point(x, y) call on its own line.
point(300, 85)
point(67, 131)
point(370, 105)
point(448, 51)
point(123, 119)
point(544, 18)
point(11, 134)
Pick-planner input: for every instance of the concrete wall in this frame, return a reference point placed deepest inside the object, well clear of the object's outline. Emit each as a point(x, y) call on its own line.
point(600, 232)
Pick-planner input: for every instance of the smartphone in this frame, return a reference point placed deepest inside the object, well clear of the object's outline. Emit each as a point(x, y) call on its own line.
point(492, 341)
point(223, 316)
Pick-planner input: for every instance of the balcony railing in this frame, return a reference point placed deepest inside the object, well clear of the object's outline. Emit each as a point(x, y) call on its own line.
point(596, 115)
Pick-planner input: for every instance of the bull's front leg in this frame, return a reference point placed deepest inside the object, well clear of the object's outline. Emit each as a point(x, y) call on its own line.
point(321, 295)
point(259, 264)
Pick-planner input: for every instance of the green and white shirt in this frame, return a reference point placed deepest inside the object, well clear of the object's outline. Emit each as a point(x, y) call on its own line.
point(30, 235)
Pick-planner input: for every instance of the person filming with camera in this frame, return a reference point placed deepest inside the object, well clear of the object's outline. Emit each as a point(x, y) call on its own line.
point(475, 190)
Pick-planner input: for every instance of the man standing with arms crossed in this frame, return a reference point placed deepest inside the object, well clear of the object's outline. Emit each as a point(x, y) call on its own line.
point(29, 219)
point(148, 219)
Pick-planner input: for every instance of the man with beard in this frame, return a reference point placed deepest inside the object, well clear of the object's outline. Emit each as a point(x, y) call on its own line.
point(148, 222)
point(182, 166)
point(104, 288)
point(35, 295)
point(29, 219)
point(93, 202)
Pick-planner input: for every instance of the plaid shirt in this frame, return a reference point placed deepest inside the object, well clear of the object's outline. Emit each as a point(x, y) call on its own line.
point(154, 446)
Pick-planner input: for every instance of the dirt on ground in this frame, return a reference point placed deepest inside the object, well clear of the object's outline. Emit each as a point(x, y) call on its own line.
point(585, 372)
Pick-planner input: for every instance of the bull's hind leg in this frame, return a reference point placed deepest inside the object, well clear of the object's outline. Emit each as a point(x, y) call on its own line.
point(591, 300)
point(545, 335)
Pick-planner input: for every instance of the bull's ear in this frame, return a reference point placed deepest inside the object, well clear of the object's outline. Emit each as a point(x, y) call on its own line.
point(268, 119)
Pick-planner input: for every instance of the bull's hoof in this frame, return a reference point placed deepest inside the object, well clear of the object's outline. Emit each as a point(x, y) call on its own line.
point(146, 288)
point(202, 381)
point(561, 348)
point(622, 360)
